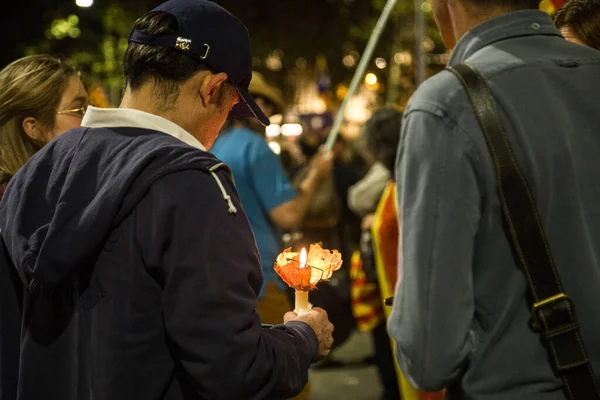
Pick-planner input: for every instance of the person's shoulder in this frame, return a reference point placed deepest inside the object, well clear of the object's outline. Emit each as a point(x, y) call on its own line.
point(437, 95)
point(190, 181)
point(195, 187)
point(72, 135)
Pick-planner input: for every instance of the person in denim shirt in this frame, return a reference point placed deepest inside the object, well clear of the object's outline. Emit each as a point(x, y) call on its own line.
point(460, 317)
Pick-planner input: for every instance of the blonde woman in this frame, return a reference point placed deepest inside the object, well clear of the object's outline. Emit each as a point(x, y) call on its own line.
point(40, 97)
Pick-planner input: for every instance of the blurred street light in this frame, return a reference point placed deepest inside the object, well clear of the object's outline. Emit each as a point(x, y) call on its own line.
point(84, 3)
point(428, 44)
point(403, 58)
point(349, 61)
point(273, 130)
point(380, 63)
point(274, 62)
point(371, 79)
point(341, 91)
point(291, 130)
point(357, 111)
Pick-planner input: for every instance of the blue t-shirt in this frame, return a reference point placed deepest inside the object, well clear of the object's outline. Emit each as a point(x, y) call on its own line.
point(262, 184)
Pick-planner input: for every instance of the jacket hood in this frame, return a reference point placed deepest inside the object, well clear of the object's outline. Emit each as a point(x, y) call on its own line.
point(59, 209)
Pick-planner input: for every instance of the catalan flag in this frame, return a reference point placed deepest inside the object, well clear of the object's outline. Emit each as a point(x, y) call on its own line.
point(550, 6)
point(385, 243)
point(367, 306)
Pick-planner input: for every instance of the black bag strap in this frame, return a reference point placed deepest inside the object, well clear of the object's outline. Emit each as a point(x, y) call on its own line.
point(552, 311)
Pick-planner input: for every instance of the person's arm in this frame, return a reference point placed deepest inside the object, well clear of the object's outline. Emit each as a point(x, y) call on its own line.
point(285, 206)
point(291, 213)
point(439, 206)
point(210, 273)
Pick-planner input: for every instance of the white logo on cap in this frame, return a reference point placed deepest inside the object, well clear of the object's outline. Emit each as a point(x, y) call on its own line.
point(183, 44)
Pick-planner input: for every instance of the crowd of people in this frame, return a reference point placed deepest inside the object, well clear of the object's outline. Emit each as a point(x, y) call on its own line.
point(138, 242)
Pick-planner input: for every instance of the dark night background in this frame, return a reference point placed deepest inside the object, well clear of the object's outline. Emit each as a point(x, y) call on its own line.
point(300, 28)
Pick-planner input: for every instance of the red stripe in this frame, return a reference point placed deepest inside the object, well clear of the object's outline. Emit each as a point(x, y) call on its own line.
point(360, 281)
point(373, 297)
point(368, 318)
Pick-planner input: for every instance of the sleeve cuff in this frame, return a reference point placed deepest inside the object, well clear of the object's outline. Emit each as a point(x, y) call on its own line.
point(305, 333)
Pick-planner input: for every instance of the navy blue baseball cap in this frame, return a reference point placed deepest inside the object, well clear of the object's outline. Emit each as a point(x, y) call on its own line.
point(216, 38)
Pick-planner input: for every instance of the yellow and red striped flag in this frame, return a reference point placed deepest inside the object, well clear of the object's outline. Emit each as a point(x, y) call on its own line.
point(367, 306)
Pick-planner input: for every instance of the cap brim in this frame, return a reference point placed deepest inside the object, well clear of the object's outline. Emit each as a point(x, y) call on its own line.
point(248, 108)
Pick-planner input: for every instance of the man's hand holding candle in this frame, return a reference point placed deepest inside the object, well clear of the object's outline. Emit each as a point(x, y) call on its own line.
point(303, 271)
point(318, 320)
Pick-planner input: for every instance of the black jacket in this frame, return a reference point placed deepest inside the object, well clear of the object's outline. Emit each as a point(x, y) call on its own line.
point(139, 276)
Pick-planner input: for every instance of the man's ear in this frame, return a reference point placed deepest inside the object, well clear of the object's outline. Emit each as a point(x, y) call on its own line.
point(211, 87)
point(32, 129)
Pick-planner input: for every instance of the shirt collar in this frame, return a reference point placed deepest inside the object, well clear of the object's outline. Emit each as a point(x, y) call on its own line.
point(130, 118)
point(509, 25)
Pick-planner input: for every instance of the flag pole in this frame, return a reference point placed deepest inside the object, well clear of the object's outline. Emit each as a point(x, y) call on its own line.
point(360, 72)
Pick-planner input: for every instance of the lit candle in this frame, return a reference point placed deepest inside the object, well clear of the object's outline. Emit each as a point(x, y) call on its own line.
point(302, 304)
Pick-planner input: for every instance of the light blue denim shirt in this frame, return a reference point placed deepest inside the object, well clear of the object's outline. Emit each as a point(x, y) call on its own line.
point(460, 318)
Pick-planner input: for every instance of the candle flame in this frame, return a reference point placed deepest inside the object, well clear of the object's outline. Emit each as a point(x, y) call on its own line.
point(303, 270)
point(303, 258)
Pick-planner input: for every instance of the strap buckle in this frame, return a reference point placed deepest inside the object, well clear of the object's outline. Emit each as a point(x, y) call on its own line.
point(538, 306)
point(560, 329)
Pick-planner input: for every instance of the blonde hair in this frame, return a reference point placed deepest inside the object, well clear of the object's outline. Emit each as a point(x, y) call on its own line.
point(29, 87)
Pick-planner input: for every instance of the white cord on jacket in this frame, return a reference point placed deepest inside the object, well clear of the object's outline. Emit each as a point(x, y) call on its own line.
point(226, 196)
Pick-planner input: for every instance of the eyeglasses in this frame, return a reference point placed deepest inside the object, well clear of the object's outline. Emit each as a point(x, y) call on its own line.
point(76, 112)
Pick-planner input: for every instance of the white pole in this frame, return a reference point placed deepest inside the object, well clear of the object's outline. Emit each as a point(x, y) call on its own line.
point(360, 72)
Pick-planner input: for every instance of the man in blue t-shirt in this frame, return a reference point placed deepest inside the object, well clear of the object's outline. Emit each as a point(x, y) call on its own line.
point(268, 198)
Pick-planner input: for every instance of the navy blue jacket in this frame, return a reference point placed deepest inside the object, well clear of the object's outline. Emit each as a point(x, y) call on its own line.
point(139, 273)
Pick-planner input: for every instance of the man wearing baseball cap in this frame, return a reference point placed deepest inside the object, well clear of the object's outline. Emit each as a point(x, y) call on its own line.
point(136, 270)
